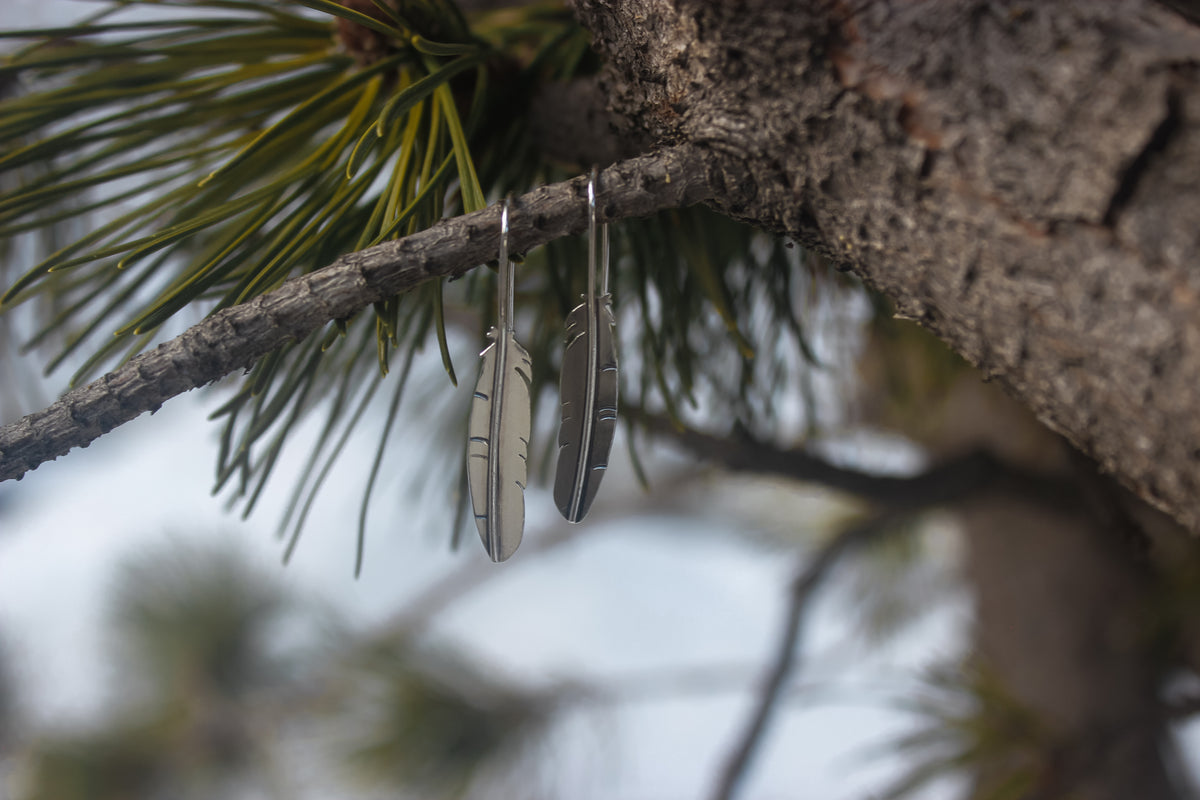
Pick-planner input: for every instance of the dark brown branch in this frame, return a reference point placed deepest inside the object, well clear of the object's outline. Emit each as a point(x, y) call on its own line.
point(807, 581)
point(951, 480)
point(235, 338)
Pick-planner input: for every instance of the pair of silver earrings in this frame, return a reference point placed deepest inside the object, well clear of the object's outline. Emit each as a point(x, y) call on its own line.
point(499, 426)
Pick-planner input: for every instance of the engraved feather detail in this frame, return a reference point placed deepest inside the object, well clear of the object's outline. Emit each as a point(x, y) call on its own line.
point(499, 426)
point(588, 384)
point(498, 444)
point(589, 406)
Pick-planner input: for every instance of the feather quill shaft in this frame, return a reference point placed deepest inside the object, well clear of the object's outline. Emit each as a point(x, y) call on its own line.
point(497, 450)
point(499, 426)
point(589, 407)
point(588, 387)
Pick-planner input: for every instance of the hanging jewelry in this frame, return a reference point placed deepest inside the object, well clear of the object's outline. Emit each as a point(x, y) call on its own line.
point(498, 429)
point(588, 385)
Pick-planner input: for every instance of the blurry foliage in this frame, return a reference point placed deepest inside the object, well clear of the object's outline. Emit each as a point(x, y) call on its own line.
point(194, 622)
point(894, 583)
point(9, 719)
point(970, 725)
point(192, 154)
point(202, 629)
point(1168, 622)
point(911, 373)
point(127, 760)
point(431, 720)
point(111, 765)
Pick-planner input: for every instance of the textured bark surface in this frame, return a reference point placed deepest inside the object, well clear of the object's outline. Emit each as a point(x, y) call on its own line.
point(1023, 179)
point(1070, 606)
point(236, 337)
point(1074, 635)
point(1061, 612)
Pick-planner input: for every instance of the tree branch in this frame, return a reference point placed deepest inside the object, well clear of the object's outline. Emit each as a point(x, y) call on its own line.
point(807, 581)
point(236, 337)
point(951, 480)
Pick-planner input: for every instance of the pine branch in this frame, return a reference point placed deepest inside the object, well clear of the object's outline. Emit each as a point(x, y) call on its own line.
point(236, 337)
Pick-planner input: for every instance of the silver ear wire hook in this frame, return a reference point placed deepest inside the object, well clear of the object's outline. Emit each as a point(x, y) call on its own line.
point(591, 193)
point(592, 235)
point(507, 287)
point(588, 385)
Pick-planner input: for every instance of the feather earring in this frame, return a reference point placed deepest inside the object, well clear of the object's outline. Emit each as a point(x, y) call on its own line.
point(588, 386)
point(499, 425)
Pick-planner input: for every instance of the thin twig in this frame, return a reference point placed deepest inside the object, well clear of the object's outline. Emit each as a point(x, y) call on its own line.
point(784, 662)
point(236, 337)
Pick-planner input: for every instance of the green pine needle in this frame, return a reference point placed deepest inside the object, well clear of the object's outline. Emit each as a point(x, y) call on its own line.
point(208, 159)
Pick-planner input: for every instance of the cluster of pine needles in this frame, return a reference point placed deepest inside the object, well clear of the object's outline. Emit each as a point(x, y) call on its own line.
point(164, 159)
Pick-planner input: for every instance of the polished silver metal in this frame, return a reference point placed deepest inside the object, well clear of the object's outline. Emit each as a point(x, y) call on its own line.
point(588, 386)
point(499, 425)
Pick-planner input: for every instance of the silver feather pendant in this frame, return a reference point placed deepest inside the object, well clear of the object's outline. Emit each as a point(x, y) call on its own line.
point(588, 386)
point(499, 425)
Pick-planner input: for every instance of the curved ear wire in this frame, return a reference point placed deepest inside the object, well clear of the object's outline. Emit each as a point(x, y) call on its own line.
point(588, 386)
point(591, 195)
point(603, 232)
point(499, 426)
point(508, 273)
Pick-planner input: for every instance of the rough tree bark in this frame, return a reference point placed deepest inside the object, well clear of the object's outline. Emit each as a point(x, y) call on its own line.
point(1060, 625)
point(1071, 629)
point(1023, 179)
